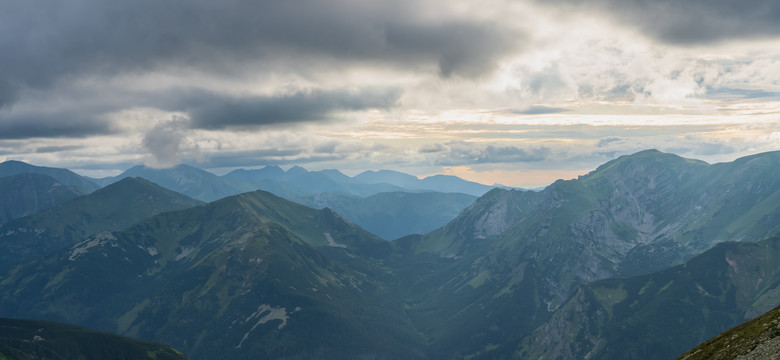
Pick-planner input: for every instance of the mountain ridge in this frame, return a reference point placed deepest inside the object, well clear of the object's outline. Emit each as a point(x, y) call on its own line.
point(111, 208)
point(27, 193)
point(64, 176)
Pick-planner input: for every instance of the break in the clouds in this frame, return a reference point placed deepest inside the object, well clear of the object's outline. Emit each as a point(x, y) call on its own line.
point(474, 88)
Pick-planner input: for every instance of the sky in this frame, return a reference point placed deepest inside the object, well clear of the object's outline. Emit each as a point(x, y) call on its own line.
point(519, 92)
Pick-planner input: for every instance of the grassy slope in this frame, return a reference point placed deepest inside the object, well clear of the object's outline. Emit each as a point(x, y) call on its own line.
point(114, 207)
point(754, 339)
point(218, 279)
point(659, 315)
point(36, 339)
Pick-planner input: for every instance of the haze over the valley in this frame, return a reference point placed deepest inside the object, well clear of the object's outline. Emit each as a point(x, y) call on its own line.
point(513, 92)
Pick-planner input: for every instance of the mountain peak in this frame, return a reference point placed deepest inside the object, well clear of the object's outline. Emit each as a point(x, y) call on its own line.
point(296, 170)
point(645, 163)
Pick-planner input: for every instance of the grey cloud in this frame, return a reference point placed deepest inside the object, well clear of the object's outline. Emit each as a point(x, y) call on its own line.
point(206, 109)
point(459, 47)
point(463, 153)
point(536, 110)
point(53, 149)
point(45, 41)
point(692, 21)
point(604, 142)
point(30, 124)
point(255, 158)
point(217, 111)
point(431, 148)
point(164, 143)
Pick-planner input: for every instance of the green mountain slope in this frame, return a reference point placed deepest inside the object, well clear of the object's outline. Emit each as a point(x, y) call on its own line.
point(36, 339)
point(63, 176)
point(660, 315)
point(516, 259)
point(395, 214)
point(756, 339)
point(25, 194)
point(111, 208)
point(249, 276)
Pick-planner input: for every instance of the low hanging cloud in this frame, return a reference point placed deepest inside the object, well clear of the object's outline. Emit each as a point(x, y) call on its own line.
point(166, 142)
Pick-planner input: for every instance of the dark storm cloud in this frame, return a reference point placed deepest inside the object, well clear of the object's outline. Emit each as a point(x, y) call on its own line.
point(691, 21)
point(458, 47)
point(216, 111)
point(31, 124)
point(465, 153)
point(45, 41)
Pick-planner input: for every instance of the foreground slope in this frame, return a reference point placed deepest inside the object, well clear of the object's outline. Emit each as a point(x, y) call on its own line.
point(756, 339)
point(36, 339)
point(660, 315)
point(249, 276)
point(111, 208)
point(26, 194)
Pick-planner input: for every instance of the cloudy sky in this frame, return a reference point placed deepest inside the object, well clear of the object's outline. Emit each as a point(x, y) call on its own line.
point(518, 92)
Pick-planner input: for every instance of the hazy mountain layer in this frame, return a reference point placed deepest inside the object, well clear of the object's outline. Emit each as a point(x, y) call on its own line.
point(297, 182)
point(193, 182)
point(26, 194)
point(114, 207)
point(396, 214)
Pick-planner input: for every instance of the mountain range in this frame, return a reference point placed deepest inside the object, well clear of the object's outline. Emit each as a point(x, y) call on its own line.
point(295, 183)
point(387, 203)
point(646, 256)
